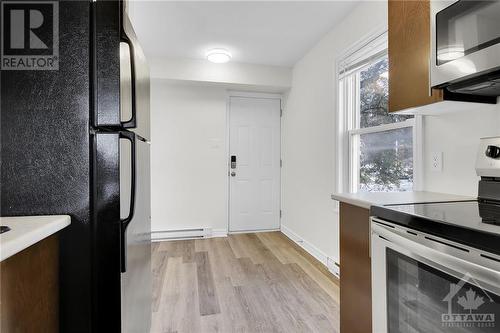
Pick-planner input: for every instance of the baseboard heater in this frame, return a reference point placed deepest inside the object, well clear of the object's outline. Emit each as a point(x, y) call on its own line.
point(163, 235)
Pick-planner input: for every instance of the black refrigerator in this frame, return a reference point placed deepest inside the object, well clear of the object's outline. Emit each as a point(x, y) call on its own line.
point(75, 140)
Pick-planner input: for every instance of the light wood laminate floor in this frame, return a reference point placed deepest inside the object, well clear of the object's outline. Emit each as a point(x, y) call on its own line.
point(259, 282)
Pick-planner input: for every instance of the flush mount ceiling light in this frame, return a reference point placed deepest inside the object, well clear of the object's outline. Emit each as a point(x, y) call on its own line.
point(218, 56)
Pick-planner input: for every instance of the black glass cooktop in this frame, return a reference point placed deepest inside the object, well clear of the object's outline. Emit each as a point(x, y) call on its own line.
point(468, 214)
point(469, 222)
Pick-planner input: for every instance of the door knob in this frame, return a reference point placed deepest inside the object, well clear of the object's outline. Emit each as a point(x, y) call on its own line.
point(233, 174)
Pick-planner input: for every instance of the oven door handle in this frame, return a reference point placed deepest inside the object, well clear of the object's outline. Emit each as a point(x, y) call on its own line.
point(444, 256)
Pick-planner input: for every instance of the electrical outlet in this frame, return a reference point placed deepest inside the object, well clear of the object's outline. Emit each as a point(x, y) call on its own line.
point(437, 161)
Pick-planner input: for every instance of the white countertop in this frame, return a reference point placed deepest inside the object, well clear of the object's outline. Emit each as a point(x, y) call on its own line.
point(28, 230)
point(368, 199)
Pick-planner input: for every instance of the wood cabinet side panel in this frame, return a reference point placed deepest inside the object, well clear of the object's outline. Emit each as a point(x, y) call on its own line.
point(409, 55)
point(29, 291)
point(355, 270)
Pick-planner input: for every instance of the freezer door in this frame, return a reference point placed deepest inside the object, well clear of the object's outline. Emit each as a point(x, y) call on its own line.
point(134, 83)
point(136, 287)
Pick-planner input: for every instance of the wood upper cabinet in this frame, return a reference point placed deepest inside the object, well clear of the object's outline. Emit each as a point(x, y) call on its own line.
point(409, 55)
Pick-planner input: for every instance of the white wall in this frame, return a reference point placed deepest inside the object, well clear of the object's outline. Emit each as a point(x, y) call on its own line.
point(457, 135)
point(309, 136)
point(188, 115)
point(238, 75)
point(188, 156)
point(188, 133)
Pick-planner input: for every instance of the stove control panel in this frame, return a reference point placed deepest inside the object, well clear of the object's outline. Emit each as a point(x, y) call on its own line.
point(488, 158)
point(493, 151)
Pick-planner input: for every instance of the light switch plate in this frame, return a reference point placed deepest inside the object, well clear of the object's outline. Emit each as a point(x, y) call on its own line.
point(437, 161)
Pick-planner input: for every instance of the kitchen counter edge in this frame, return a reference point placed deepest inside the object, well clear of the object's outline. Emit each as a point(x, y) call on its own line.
point(28, 230)
point(368, 199)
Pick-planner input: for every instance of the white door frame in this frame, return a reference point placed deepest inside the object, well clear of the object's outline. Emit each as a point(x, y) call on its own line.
point(247, 94)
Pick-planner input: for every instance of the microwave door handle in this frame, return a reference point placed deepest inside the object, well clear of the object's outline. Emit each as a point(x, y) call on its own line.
point(429, 74)
point(132, 122)
point(126, 221)
point(456, 264)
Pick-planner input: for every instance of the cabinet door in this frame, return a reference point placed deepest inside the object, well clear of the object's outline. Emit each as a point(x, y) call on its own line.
point(409, 54)
point(355, 269)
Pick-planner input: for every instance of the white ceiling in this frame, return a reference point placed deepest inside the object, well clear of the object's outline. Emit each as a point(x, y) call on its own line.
point(258, 32)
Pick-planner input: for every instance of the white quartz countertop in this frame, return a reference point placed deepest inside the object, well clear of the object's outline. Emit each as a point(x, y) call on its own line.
point(368, 199)
point(28, 230)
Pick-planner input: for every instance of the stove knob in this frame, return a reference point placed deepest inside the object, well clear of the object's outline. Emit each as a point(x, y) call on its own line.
point(493, 151)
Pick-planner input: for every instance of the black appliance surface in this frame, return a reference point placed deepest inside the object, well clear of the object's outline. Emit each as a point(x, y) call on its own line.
point(4, 228)
point(472, 223)
point(487, 84)
point(55, 161)
point(45, 155)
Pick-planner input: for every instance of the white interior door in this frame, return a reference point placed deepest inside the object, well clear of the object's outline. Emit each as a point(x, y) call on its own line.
point(254, 130)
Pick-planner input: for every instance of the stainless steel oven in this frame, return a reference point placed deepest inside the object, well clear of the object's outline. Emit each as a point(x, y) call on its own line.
point(423, 283)
point(465, 42)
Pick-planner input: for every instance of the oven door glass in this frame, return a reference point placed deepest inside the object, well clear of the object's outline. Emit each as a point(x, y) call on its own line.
point(421, 298)
point(466, 27)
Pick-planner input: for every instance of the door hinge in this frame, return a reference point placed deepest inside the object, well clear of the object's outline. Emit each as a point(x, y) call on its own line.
point(281, 112)
point(281, 163)
point(281, 213)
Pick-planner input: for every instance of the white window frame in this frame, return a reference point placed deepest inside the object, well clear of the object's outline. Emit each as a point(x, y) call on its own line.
point(347, 117)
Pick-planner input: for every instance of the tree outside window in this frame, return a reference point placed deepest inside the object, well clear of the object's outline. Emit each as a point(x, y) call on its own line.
point(386, 158)
point(380, 144)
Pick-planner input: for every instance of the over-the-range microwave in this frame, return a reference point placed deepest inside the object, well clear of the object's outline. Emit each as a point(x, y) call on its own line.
point(465, 46)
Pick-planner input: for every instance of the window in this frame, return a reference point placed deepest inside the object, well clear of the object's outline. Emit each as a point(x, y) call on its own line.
point(376, 148)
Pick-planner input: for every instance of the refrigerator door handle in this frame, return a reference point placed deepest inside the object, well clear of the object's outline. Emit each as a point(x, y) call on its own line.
point(132, 122)
point(126, 221)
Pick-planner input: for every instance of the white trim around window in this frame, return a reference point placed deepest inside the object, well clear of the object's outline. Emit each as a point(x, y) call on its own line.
point(353, 136)
point(382, 128)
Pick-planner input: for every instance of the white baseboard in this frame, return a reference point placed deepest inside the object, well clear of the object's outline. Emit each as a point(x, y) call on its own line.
point(192, 233)
point(219, 233)
point(252, 231)
point(330, 263)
